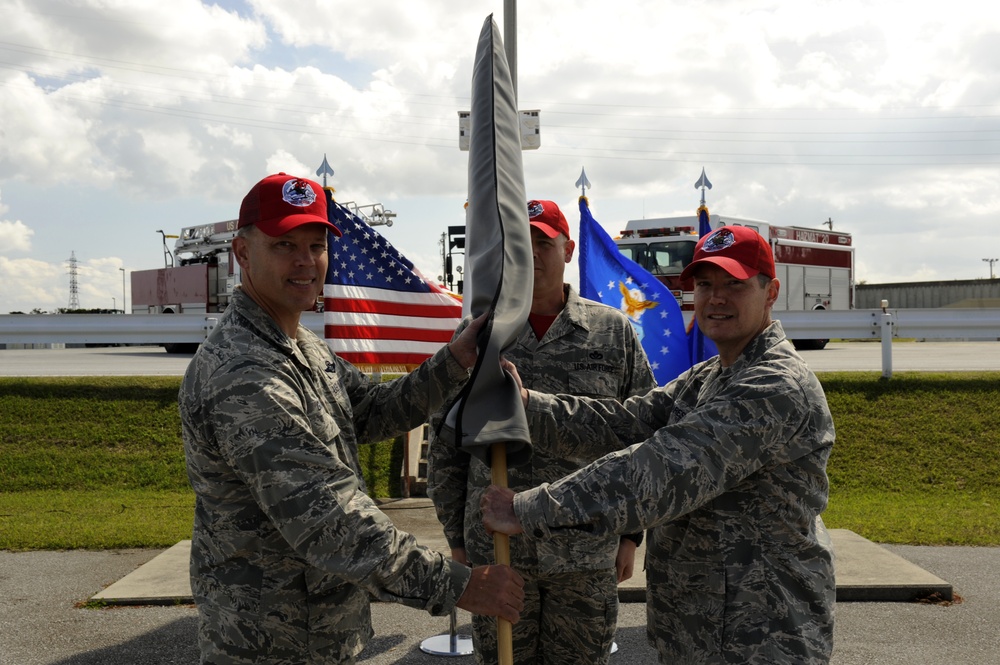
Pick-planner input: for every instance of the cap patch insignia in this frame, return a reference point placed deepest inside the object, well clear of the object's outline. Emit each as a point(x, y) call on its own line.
point(719, 240)
point(298, 193)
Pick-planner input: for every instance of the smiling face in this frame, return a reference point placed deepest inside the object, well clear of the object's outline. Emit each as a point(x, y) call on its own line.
point(284, 274)
point(731, 311)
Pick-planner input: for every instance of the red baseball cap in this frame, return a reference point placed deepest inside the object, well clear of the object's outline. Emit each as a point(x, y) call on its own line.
point(281, 202)
point(548, 218)
point(739, 250)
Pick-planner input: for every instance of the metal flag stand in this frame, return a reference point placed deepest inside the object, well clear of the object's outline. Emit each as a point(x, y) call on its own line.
point(448, 644)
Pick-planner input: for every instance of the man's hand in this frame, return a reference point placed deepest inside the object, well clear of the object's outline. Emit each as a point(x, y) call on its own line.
point(625, 561)
point(494, 591)
point(497, 505)
point(458, 554)
point(463, 347)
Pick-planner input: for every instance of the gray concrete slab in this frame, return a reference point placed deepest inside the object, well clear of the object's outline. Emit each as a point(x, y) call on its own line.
point(865, 570)
point(163, 580)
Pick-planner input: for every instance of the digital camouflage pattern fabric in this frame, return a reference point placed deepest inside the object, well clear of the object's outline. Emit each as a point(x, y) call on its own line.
point(287, 546)
point(726, 467)
point(590, 349)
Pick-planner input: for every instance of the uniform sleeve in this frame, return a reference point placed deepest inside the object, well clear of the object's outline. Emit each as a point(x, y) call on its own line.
point(587, 428)
point(676, 468)
point(641, 381)
point(447, 477)
point(312, 497)
point(383, 410)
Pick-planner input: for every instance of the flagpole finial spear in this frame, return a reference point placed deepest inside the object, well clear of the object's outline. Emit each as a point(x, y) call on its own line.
point(703, 182)
point(324, 170)
point(583, 183)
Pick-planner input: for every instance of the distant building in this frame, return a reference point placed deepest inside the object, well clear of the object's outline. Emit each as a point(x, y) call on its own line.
point(971, 293)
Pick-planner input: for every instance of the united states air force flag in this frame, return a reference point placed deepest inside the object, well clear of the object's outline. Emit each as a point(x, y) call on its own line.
point(609, 277)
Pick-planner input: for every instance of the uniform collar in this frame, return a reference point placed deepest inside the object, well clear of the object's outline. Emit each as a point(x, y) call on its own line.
point(265, 326)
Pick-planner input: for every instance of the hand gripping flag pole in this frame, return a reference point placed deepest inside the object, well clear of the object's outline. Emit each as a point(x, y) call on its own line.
point(499, 277)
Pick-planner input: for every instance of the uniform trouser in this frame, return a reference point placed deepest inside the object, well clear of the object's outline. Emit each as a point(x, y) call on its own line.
point(568, 619)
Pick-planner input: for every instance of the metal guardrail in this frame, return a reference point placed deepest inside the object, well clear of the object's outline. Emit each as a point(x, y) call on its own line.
point(942, 323)
point(939, 323)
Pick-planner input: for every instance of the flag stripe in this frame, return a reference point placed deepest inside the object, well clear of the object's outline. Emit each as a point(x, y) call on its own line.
point(348, 318)
point(383, 346)
point(388, 333)
point(364, 296)
point(383, 359)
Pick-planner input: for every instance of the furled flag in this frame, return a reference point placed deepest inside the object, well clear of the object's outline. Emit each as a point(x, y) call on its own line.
point(700, 347)
point(499, 272)
point(608, 276)
point(379, 313)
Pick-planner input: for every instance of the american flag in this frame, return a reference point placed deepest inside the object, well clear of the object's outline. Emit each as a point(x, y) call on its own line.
point(380, 313)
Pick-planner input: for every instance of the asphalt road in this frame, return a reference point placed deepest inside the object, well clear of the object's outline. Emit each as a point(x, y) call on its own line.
point(41, 625)
point(837, 356)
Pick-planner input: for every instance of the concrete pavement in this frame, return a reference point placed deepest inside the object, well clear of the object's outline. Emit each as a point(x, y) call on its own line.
point(45, 618)
point(865, 571)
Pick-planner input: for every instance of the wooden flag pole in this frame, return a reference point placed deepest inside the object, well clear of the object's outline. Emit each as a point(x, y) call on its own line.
point(501, 552)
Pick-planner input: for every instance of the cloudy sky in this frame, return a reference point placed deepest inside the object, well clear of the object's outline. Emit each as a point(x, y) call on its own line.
point(121, 118)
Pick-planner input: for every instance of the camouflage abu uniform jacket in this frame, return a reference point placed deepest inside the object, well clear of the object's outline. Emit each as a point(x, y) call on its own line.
point(590, 349)
point(287, 545)
point(730, 478)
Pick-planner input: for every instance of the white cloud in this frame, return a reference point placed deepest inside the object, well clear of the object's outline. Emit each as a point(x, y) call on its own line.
point(124, 118)
point(14, 236)
point(26, 284)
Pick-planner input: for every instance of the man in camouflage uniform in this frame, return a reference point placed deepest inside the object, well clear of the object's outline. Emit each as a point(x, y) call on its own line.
point(728, 474)
point(287, 546)
point(569, 345)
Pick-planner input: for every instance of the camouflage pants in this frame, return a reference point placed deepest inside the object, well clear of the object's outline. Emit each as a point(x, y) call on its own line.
point(568, 619)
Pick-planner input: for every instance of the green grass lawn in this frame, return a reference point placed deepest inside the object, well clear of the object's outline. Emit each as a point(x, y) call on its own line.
point(98, 462)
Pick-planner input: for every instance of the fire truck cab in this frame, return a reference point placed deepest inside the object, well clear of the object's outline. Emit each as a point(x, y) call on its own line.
point(815, 266)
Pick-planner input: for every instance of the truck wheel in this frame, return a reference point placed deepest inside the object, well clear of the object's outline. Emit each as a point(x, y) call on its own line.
point(809, 344)
point(180, 347)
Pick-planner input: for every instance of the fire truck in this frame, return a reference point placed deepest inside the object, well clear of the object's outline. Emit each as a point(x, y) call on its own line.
point(200, 273)
point(815, 266)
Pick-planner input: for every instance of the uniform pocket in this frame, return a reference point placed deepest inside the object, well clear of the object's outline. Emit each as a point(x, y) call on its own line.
point(601, 382)
point(688, 605)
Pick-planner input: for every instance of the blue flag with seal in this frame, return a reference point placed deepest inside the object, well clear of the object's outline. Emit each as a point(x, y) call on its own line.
point(700, 347)
point(609, 277)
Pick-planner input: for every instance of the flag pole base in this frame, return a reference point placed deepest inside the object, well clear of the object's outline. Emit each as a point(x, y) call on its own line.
point(450, 643)
point(447, 645)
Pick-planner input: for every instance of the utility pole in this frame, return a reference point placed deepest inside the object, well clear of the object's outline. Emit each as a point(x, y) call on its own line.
point(444, 259)
point(123, 289)
point(991, 262)
point(74, 289)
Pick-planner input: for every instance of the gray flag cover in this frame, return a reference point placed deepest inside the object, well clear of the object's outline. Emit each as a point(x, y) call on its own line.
point(499, 265)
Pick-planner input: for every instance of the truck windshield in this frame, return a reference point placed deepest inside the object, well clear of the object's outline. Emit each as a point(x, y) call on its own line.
point(662, 258)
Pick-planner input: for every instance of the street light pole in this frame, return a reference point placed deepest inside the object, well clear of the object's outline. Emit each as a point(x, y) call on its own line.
point(123, 289)
point(991, 262)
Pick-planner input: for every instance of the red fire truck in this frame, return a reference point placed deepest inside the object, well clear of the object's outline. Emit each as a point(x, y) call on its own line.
point(206, 272)
point(815, 266)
